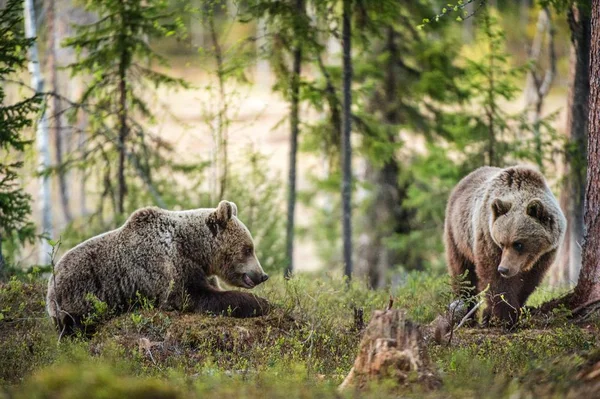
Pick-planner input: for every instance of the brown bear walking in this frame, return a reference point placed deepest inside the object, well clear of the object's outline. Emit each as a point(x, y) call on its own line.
point(504, 227)
point(170, 258)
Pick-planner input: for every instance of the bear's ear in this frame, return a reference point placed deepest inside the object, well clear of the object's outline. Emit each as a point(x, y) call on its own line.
point(234, 207)
point(224, 212)
point(500, 208)
point(537, 210)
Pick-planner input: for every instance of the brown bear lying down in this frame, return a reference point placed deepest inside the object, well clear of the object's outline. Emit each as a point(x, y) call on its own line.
point(170, 258)
point(503, 227)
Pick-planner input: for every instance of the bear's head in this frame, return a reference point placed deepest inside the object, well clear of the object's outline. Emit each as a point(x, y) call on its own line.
point(234, 258)
point(524, 232)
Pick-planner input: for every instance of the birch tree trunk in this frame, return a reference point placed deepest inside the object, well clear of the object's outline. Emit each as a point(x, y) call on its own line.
point(123, 132)
point(346, 139)
point(588, 287)
point(568, 264)
point(37, 82)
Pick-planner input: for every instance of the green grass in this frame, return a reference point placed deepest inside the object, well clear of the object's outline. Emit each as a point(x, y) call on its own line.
point(303, 349)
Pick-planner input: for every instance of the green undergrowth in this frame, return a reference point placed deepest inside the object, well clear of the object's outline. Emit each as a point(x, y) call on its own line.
point(304, 348)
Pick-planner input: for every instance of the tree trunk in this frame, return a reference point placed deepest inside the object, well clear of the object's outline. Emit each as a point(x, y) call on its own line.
point(385, 214)
point(123, 132)
point(222, 117)
point(538, 85)
point(57, 111)
point(346, 143)
point(588, 287)
point(294, 126)
point(43, 145)
point(568, 264)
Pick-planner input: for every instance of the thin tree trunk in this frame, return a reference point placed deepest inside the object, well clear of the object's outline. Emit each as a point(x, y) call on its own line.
point(123, 132)
point(588, 287)
point(53, 48)
point(222, 121)
point(572, 197)
point(537, 86)
point(491, 107)
point(346, 142)
point(43, 144)
point(294, 127)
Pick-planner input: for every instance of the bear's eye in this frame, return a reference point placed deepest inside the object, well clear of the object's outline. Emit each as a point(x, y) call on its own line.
point(248, 250)
point(517, 246)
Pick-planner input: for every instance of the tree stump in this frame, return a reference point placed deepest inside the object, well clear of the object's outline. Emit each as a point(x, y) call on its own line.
point(392, 347)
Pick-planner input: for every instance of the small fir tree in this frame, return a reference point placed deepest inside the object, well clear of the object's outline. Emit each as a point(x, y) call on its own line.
point(115, 51)
point(15, 203)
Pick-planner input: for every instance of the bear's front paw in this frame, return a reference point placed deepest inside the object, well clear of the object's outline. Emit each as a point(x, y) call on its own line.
point(495, 318)
point(243, 304)
point(255, 306)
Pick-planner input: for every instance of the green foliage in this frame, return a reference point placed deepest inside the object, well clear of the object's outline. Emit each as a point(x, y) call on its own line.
point(15, 227)
point(479, 132)
point(27, 339)
point(303, 349)
point(115, 52)
point(259, 197)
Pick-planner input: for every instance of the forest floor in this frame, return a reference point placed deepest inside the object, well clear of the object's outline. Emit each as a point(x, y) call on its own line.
point(304, 348)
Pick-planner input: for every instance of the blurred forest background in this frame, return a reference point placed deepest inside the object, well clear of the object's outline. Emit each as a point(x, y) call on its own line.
point(181, 103)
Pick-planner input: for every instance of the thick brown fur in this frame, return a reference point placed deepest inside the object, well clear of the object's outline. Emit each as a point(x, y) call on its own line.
point(170, 258)
point(502, 219)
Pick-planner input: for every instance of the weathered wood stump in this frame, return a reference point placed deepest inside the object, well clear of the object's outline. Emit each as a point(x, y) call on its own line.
point(392, 347)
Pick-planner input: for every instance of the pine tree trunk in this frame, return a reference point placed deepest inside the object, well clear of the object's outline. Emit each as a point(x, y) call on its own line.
point(385, 214)
point(294, 126)
point(588, 287)
point(346, 143)
point(566, 269)
point(123, 131)
point(53, 48)
point(43, 145)
point(222, 117)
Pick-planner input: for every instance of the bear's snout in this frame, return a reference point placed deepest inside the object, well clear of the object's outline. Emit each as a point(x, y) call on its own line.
point(250, 280)
point(503, 271)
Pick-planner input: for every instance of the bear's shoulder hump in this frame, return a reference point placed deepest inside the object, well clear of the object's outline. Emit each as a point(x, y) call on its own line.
point(144, 217)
